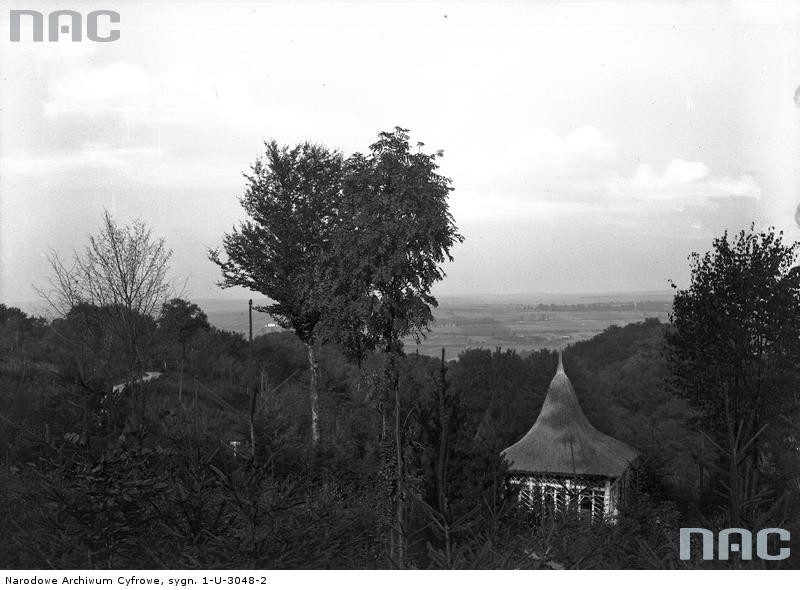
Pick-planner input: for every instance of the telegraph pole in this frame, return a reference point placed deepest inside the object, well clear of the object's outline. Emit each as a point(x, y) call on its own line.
point(250, 317)
point(250, 389)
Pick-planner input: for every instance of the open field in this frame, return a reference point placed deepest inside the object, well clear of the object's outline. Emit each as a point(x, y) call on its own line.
point(517, 326)
point(522, 323)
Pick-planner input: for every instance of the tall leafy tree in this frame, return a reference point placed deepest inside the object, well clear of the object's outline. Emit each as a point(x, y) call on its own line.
point(181, 321)
point(291, 200)
point(394, 233)
point(734, 352)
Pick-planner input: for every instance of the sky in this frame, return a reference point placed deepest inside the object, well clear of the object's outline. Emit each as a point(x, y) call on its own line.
point(592, 145)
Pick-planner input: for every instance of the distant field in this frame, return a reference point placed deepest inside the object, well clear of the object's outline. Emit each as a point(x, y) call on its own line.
point(464, 323)
point(522, 326)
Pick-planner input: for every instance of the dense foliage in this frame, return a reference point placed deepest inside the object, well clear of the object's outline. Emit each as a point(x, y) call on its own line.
point(734, 353)
point(81, 490)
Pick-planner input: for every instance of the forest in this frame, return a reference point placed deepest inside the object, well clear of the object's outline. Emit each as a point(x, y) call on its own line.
point(137, 435)
point(80, 492)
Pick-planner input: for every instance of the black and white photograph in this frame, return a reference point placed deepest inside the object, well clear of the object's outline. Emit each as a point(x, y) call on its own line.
point(307, 285)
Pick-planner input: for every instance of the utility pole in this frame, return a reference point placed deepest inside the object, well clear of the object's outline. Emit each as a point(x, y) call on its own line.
point(250, 318)
point(250, 389)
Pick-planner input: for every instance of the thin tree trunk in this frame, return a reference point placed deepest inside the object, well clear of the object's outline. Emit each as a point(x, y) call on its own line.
point(400, 546)
point(180, 384)
point(134, 398)
point(253, 396)
point(196, 418)
point(384, 422)
point(86, 421)
point(443, 428)
point(701, 464)
point(180, 377)
point(733, 468)
point(313, 392)
point(442, 466)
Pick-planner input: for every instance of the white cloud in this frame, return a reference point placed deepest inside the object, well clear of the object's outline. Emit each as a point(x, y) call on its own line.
point(681, 181)
point(124, 118)
point(589, 142)
point(544, 175)
point(90, 156)
point(543, 149)
point(541, 164)
point(541, 172)
point(680, 171)
point(179, 95)
point(468, 206)
point(120, 86)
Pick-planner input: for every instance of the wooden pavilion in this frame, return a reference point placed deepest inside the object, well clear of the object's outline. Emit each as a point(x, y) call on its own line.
point(563, 461)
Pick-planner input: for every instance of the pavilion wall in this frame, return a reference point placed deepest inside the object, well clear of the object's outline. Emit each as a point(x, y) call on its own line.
point(596, 496)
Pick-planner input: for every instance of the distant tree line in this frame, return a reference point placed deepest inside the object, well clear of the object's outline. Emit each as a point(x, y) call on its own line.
point(661, 306)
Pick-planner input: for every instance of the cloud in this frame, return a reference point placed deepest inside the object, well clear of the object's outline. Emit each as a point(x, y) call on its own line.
point(501, 206)
point(542, 153)
point(681, 181)
point(153, 126)
point(119, 86)
point(90, 156)
point(214, 117)
point(585, 142)
point(177, 95)
point(543, 174)
point(541, 163)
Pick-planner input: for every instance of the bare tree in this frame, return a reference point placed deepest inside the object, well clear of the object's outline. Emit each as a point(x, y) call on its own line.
point(123, 271)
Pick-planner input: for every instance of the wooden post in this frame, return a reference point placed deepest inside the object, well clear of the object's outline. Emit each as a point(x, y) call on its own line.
point(250, 389)
point(250, 318)
point(196, 428)
point(607, 499)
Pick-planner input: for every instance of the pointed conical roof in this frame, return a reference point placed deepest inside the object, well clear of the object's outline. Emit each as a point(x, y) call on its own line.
point(562, 441)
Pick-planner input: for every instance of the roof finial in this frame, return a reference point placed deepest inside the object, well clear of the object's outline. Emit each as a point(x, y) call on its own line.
point(560, 368)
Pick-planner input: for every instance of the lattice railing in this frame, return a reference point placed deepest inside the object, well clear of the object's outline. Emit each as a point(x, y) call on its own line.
point(586, 495)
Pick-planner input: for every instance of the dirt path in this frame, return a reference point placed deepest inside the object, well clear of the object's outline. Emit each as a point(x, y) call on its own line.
point(148, 376)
